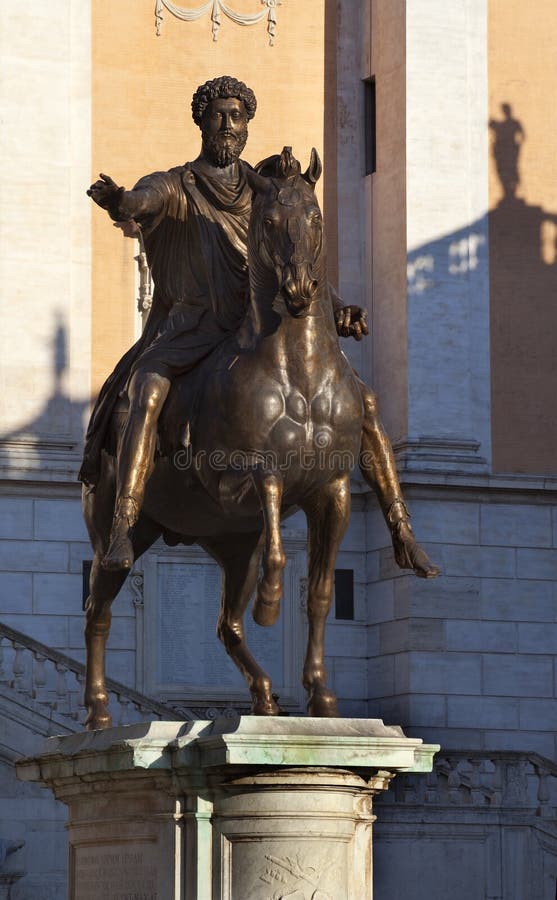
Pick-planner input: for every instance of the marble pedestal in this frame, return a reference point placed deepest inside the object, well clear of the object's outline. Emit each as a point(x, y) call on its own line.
point(251, 808)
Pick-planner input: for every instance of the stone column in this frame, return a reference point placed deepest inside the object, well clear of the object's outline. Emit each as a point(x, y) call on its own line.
point(238, 808)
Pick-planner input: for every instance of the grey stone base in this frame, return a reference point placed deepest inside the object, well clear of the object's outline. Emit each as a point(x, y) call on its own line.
point(233, 809)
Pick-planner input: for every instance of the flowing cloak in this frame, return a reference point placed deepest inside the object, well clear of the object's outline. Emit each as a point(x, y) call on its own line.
point(196, 250)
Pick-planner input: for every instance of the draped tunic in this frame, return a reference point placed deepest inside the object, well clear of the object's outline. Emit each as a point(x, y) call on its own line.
point(196, 250)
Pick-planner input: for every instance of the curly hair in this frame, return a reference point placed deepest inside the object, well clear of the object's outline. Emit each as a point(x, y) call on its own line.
point(224, 88)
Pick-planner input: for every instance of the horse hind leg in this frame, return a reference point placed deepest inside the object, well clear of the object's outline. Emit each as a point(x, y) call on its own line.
point(239, 556)
point(328, 514)
point(104, 586)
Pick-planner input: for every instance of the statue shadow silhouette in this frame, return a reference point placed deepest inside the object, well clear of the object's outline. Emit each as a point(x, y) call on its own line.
point(508, 137)
point(523, 288)
point(515, 247)
point(55, 433)
point(520, 261)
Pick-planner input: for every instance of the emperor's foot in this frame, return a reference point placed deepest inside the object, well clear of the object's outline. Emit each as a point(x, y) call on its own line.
point(119, 554)
point(120, 550)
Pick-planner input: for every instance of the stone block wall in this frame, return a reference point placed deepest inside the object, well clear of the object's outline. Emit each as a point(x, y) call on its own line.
point(469, 659)
point(43, 542)
point(486, 829)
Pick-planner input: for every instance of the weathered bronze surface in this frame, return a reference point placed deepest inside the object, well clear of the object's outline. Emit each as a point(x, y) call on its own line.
point(236, 406)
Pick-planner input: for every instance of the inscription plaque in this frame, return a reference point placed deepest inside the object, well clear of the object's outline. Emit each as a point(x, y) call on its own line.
point(115, 873)
point(182, 658)
point(188, 649)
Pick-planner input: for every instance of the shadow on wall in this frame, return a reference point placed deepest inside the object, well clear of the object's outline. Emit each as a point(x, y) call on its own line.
point(55, 433)
point(522, 253)
point(508, 137)
point(522, 249)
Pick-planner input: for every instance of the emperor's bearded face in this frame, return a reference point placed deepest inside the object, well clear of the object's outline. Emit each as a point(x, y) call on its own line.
point(224, 131)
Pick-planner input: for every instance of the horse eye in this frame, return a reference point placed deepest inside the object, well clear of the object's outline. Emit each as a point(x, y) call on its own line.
point(268, 221)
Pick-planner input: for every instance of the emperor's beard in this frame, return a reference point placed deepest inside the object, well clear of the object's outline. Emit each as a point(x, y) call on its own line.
point(223, 149)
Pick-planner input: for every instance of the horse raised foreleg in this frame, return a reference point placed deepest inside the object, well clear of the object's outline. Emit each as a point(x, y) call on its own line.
point(328, 512)
point(377, 465)
point(266, 608)
point(238, 556)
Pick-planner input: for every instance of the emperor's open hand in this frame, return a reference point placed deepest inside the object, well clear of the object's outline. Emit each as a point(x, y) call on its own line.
point(105, 191)
point(351, 321)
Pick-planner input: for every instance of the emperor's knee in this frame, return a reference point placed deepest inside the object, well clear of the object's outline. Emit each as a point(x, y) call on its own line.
point(148, 392)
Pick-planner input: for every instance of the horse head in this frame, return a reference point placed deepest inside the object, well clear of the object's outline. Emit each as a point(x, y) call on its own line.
point(286, 228)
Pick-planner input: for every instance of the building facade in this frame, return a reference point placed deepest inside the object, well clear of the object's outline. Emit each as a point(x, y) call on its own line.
point(438, 142)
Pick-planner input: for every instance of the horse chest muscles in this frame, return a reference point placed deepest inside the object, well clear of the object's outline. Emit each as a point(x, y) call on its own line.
point(297, 407)
point(317, 404)
point(321, 407)
point(331, 406)
point(313, 409)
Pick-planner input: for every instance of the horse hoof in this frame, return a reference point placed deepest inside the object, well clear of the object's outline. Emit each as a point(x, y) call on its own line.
point(263, 701)
point(409, 554)
point(98, 721)
point(323, 704)
point(266, 608)
point(262, 707)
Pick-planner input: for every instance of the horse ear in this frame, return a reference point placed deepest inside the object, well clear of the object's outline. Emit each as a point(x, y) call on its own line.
point(258, 183)
point(313, 172)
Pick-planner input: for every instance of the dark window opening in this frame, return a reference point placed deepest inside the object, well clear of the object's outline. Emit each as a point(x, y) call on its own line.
point(370, 126)
point(344, 594)
point(85, 574)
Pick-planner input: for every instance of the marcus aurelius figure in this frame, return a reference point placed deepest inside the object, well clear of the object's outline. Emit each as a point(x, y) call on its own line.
point(194, 219)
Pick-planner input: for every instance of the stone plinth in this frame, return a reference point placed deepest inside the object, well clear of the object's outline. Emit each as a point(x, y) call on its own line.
point(251, 807)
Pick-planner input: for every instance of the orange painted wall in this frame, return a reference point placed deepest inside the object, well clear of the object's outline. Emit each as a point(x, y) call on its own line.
point(142, 87)
point(388, 214)
point(523, 234)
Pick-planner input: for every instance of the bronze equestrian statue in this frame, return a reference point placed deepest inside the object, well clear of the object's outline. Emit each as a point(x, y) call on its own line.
point(242, 299)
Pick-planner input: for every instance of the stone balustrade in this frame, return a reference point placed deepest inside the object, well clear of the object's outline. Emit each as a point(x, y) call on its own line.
point(54, 680)
point(498, 780)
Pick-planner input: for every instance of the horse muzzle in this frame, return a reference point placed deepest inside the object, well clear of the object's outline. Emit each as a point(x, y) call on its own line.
point(298, 286)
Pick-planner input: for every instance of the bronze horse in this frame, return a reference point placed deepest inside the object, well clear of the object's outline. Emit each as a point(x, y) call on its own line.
point(281, 406)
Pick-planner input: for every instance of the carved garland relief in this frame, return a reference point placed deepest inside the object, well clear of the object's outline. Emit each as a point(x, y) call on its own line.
point(215, 8)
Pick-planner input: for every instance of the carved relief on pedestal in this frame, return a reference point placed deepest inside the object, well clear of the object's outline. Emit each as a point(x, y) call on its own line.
point(297, 879)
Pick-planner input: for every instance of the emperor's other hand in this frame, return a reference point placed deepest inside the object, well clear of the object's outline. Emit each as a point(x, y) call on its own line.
point(351, 321)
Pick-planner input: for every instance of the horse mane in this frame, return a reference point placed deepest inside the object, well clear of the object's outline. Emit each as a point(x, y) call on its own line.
point(279, 165)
